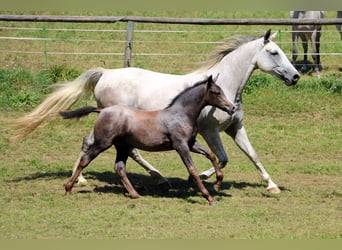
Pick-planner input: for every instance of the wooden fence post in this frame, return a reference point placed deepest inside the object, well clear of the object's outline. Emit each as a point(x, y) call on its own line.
point(129, 44)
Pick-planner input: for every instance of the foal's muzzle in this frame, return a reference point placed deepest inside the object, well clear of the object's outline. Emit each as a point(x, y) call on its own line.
point(230, 109)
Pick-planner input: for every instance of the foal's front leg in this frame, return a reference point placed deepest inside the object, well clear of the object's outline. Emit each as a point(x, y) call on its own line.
point(184, 152)
point(199, 149)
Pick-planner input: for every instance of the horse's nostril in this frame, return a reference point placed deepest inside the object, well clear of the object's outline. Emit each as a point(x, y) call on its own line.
point(295, 79)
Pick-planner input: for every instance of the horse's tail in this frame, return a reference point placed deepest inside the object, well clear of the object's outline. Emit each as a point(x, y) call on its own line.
point(78, 113)
point(61, 99)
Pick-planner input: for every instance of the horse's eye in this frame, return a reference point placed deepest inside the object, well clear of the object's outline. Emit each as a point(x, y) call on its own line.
point(274, 52)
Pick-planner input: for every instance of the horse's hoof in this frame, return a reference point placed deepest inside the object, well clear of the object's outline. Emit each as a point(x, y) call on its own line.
point(273, 190)
point(82, 182)
point(203, 176)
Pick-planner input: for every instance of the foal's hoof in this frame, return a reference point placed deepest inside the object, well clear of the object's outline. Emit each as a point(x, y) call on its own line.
point(273, 190)
point(212, 202)
point(136, 196)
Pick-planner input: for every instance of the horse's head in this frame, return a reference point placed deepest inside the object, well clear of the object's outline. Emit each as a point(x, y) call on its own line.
point(216, 97)
point(271, 59)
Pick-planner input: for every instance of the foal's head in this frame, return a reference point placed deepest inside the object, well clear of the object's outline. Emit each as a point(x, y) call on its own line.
point(216, 97)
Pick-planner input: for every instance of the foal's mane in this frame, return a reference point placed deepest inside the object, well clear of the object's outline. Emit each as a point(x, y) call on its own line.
point(186, 90)
point(221, 51)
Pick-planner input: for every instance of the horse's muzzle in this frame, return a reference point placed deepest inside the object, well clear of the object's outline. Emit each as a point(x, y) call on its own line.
point(295, 79)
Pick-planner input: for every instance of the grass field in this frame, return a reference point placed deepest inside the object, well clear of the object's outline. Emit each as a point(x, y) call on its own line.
point(297, 132)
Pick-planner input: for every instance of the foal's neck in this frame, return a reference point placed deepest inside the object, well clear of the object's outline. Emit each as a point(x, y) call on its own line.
point(190, 104)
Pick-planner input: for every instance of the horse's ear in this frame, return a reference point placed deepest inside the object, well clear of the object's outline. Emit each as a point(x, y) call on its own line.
point(216, 77)
point(272, 37)
point(267, 36)
point(210, 80)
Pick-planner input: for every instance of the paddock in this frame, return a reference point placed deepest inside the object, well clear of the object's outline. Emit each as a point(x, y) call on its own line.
point(298, 137)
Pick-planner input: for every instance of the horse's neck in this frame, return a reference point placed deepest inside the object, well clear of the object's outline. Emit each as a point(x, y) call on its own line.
point(235, 70)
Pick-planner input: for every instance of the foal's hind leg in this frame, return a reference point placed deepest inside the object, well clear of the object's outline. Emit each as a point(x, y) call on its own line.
point(84, 160)
point(87, 141)
point(120, 169)
point(89, 152)
point(199, 149)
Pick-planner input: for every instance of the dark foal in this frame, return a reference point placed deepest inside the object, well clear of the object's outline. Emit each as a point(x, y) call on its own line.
point(171, 128)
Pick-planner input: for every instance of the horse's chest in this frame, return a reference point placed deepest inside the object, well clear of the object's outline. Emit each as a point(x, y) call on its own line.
point(215, 118)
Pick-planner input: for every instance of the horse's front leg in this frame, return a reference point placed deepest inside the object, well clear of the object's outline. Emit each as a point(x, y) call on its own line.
point(199, 149)
point(294, 47)
point(239, 134)
point(184, 152)
point(316, 51)
point(213, 139)
point(162, 182)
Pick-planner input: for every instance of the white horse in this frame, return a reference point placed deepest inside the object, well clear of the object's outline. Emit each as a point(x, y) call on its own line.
point(307, 33)
point(234, 62)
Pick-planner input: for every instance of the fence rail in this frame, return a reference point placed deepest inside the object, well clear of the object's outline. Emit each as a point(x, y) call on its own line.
point(202, 21)
point(147, 42)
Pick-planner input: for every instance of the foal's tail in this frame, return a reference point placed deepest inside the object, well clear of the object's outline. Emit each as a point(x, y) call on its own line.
point(79, 112)
point(61, 99)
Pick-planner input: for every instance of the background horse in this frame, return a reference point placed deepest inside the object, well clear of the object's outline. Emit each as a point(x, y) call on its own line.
point(171, 128)
point(234, 61)
point(307, 33)
point(339, 26)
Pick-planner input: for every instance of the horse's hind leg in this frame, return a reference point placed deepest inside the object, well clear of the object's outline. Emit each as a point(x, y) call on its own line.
point(199, 149)
point(87, 141)
point(120, 169)
point(162, 182)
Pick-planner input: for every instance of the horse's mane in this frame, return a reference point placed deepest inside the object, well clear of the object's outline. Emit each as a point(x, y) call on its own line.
point(185, 91)
point(221, 51)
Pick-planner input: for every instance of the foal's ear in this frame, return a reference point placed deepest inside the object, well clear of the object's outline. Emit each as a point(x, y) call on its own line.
point(210, 81)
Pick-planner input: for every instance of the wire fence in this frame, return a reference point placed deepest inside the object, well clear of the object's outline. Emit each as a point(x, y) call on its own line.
point(174, 48)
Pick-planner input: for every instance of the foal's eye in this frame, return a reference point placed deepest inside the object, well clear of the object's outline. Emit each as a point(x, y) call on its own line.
point(215, 92)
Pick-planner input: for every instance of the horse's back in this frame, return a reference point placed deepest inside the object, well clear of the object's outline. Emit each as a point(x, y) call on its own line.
point(139, 88)
point(306, 15)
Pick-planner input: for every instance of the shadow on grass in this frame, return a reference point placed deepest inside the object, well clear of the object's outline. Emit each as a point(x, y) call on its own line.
point(144, 184)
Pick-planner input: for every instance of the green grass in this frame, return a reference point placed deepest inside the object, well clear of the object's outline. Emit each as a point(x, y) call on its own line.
point(300, 147)
point(297, 132)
